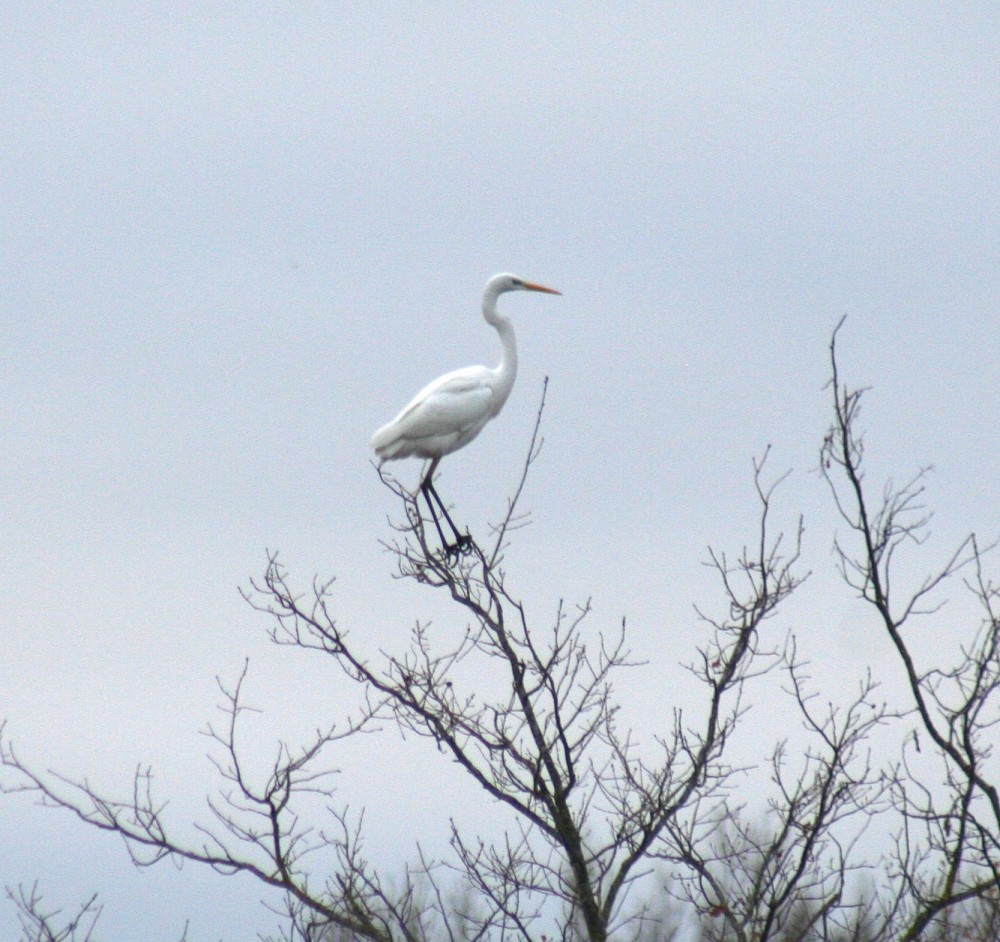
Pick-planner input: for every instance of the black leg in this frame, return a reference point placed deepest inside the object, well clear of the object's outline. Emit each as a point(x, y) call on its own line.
point(424, 489)
point(462, 541)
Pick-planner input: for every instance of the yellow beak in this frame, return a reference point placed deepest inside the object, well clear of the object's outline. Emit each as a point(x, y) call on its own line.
point(531, 286)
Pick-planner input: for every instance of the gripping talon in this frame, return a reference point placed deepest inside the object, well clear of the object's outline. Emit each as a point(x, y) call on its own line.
point(461, 547)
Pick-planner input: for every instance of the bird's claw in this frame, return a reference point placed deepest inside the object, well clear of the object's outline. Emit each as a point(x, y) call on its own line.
point(461, 547)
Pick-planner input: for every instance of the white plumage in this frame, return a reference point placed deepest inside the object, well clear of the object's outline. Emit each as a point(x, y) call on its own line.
point(445, 415)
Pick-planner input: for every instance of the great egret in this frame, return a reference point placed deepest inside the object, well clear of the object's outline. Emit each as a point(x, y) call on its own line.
point(451, 411)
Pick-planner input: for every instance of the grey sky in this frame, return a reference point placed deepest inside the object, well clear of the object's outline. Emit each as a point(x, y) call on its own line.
point(237, 241)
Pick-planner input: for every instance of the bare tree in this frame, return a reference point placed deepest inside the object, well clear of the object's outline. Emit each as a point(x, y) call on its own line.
point(39, 924)
point(592, 817)
point(789, 877)
point(587, 807)
point(786, 876)
point(947, 848)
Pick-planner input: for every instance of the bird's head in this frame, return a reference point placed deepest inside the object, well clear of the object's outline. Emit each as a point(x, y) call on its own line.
point(498, 284)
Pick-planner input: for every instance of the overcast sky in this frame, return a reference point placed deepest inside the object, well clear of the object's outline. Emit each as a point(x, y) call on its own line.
point(237, 238)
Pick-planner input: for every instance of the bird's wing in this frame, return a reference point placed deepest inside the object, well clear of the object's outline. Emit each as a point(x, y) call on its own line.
point(452, 403)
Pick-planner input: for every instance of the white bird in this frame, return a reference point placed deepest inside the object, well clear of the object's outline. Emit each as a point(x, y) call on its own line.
point(451, 411)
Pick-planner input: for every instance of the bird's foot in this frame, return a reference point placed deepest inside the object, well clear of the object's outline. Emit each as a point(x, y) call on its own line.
point(461, 547)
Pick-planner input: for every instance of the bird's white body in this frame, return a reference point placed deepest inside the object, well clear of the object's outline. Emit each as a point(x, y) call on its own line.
point(451, 411)
point(444, 416)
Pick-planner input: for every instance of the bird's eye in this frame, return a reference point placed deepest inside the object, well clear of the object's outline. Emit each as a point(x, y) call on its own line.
point(517, 283)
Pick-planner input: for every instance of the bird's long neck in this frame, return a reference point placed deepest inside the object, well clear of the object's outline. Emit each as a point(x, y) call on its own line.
point(506, 370)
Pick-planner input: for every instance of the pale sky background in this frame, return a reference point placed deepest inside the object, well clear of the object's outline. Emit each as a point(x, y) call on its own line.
point(237, 238)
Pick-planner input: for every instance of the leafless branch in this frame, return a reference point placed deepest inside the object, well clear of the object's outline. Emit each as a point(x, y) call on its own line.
point(948, 851)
